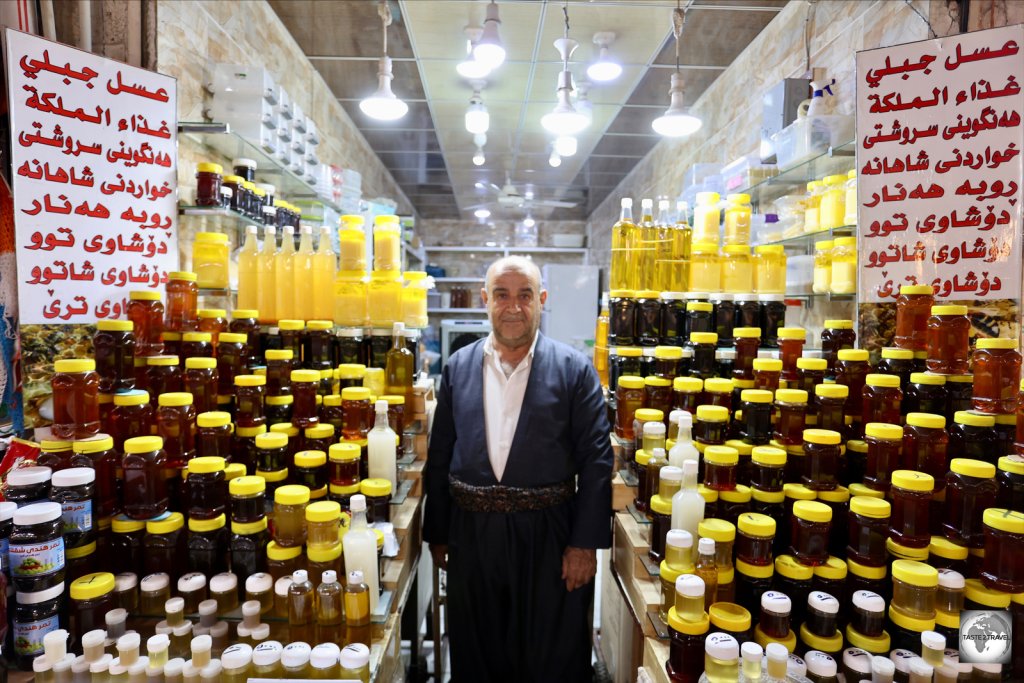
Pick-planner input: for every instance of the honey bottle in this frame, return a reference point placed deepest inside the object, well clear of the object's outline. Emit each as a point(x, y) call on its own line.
point(249, 271)
point(329, 609)
point(302, 276)
point(284, 268)
point(266, 295)
point(324, 268)
point(706, 570)
point(301, 609)
point(357, 609)
point(399, 367)
point(622, 253)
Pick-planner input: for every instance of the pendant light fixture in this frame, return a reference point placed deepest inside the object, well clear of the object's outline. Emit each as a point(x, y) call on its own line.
point(529, 221)
point(554, 160)
point(677, 121)
point(383, 105)
point(564, 119)
point(478, 157)
point(565, 145)
point(605, 68)
point(470, 67)
point(478, 120)
point(489, 50)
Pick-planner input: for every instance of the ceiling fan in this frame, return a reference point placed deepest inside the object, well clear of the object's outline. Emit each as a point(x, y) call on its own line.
point(509, 197)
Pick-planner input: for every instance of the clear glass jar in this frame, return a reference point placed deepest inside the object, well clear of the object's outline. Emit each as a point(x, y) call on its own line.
point(770, 269)
point(705, 267)
point(822, 281)
point(737, 274)
point(210, 260)
point(844, 266)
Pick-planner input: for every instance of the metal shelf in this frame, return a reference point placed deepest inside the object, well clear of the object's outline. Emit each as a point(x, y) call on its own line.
point(414, 253)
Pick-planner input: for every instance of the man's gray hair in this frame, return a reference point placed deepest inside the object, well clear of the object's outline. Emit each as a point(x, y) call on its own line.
point(517, 264)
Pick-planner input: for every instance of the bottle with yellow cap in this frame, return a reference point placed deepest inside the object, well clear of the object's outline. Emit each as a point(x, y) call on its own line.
point(1010, 477)
point(996, 364)
point(290, 515)
point(175, 420)
point(1004, 544)
point(767, 372)
point(92, 596)
point(882, 399)
point(649, 329)
point(911, 499)
point(182, 298)
point(207, 493)
point(645, 246)
point(970, 489)
point(912, 310)
point(844, 266)
point(851, 371)
point(737, 220)
point(810, 529)
point(868, 523)
point(114, 351)
point(925, 444)
point(146, 312)
point(703, 345)
point(926, 393)
point(899, 362)
point(948, 340)
point(686, 645)
point(145, 483)
point(836, 336)
point(76, 409)
point(711, 426)
point(791, 407)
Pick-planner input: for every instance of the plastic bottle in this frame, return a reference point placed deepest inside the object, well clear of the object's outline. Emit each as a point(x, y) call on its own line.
point(683, 449)
point(295, 659)
point(399, 370)
point(721, 658)
point(329, 608)
point(284, 268)
point(381, 448)
point(776, 662)
point(622, 251)
point(266, 293)
point(266, 660)
point(360, 548)
point(323, 660)
point(249, 271)
point(355, 662)
point(687, 503)
point(357, 609)
point(302, 276)
point(324, 268)
point(751, 653)
point(707, 570)
point(237, 663)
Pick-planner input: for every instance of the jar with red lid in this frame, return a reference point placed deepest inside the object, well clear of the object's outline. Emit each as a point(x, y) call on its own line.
point(926, 393)
point(913, 307)
point(836, 336)
point(1002, 568)
point(830, 402)
point(197, 345)
point(911, 499)
point(882, 397)
point(822, 459)
point(114, 351)
point(973, 436)
point(791, 408)
point(686, 394)
point(201, 382)
point(629, 397)
point(279, 371)
point(747, 341)
point(884, 442)
point(810, 526)
point(213, 436)
point(971, 488)
point(767, 372)
point(146, 312)
point(948, 337)
point(182, 301)
point(76, 408)
point(996, 366)
point(868, 527)
point(175, 424)
point(925, 444)
point(791, 347)
point(249, 392)
point(208, 180)
point(132, 416)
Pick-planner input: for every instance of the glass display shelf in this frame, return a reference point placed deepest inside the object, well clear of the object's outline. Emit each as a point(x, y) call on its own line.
point(834, 160)
point(218, 136)
point(805, 241)
point(474, 311)
point(450, 280)
point(219, 213)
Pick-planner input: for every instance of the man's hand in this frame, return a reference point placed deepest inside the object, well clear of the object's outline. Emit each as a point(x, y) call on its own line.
point(440, 554)
point(578, 567)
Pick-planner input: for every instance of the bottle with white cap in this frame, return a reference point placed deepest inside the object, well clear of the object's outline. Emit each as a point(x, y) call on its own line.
point(295, 660)
point(721, 658)
point(751, 653)
point(776, 661)
point(355, 662)
point(266, 660)
point(174, 670)
point(281, 596)
point(821, 667)
point(687, 503)
point(920, 671)
point(683, 448)
point(156, 650)
point(301, 608)
point(822, 614)
point(100, 669)
point(933, 648)
point(62, 671)
point(236, 661)
point(329, 607)
point(653, 436)
point(137, 671)
point(706, 569)
point(883, 669)
point(260, 587)
point(382, 447)
point(360, 546)
point(323, 660)
point(774, 619)
point(856, 664)
point(689, 600)
point(357, 609)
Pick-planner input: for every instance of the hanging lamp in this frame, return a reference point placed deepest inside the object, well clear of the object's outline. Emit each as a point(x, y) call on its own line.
point(383, 105)
point(676, 121)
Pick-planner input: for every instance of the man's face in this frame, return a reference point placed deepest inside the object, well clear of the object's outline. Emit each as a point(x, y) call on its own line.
point(513, 305)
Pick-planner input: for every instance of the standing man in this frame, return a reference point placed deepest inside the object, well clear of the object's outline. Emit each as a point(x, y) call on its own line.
point(518, 483)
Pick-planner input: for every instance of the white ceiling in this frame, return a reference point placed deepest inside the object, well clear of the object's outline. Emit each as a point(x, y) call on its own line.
point(430, 152)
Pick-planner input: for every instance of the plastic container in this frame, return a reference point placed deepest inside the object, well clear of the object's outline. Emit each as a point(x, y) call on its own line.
point(809, 532)
point(948, 340)
point(770, 269)
point(868, 525)
point(1004, 544)
point(996, 366)
point(705, 267)
point(210, 260)
point(911, 500)
point(914, 586)
point(844, 266)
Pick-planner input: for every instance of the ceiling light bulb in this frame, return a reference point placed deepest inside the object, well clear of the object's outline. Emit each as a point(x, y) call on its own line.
point(489, 49)
point(478, 157)
point(604, 69)
point(676, 121)
point(564, 119)
point(478, 120)
point(529, 222)
point(482, 214)
point(479, 139)
point(565, 145)
point(472, 69)
point(554, 160)
point(383, 105)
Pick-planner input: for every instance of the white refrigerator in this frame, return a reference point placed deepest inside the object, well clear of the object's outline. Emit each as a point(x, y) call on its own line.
point(570, 314)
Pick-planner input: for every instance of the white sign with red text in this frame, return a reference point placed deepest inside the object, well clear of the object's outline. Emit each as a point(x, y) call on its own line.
point(939, 168)
point(94, 160)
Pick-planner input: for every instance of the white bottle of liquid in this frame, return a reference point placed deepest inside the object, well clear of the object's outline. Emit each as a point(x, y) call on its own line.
point(360, 547)
point(381, 449)
point(687, 503)
point(683, 449)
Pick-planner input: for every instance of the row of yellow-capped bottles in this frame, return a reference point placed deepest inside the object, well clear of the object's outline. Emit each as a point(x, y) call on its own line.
point(651, 254)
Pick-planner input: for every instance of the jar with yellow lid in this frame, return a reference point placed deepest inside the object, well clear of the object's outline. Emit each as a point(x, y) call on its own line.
point(283, 561)
point(791, 416)
point(914, 586)
point(732, 619)
point(387, 243)
point(755, 535)
point(351, 299)
point(309, 469)
point(810, 526)
point(323, 520)
point(850, 201)
point(832, 208)
point(812, 204)
point(705, 267)
point(710, 427)
point(92, 596)
point(352, 244)
point(771, 504)
point(164, 546)
point(948, 340)
point(844, 266)
point(210, 260)
point(1010, 478)
point(911, 500)
point(1002, 568)
point(868, 525)
point(737, 220)
point(290, 515)
point(770, 269)
point(686, 646)
point(707, 217)
point(208, 545)
point(970, 490)
point(822, 274)
point(737, 274)
point(414, 299)
point(378, 499)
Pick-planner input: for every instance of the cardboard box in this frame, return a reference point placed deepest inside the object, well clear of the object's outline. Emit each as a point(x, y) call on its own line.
point(621, 638)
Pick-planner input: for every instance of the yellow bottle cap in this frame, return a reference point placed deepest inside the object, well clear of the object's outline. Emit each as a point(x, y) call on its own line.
point(767, 365)
point(1010, 521)
point(203, 525)
point(689, 628)
point(169, 524)
point(756, 524)
point(323, 511)
point(960, 379)
point(279, 354)
point(291, 325)
point(792, 333)
point(653, 381)
point(305, 376)
point(880, 380)
point(972, 419)
point(280, 554)
point(834, 569)
point(649, 415)
point(833, 643)
point(247, 486)
point(143, 295)
point(206, 465)
point(740, 494)
point(867, 506)
point(798, 492)
point(710, 413)
point(182, 275)
point(787, 566)
point(271, 440)
point(876, 645)
point(926, 420)
point(811, 363)
point(668, 352)
point(972, 468)
point(1014, 464)
point(363, 394)
point(74, 365)
point(746, 332)
point(883, 430)
point(927, 378)
point(718, 530)
point(913, 480)
point(949, 310)
point(310, 459)
point(273, 477)
point(908, 623)
point(866, 571)
point(754, 571)
point(320, 431)
point(768, 455)
point(250, 432)
point(92, 586)
point(292, 494)
point(855, 355)
point(249, 528)
point(825, 437)
point(323, 555)
point(812, 511)
point(773, 497)
point(214, 418)
point(791, 395)
point(704, 337)
point(197, 337)
point(660, 505)
point(721, 455)
point(143, 444)
point(729, 616)
point(629, 351)
point(97, 444)
point(250, 381)
point(911, 290)
point(915, 573)
point(285, 400)
point(838, 495)
point(686, 385)
point(976, 591)
point(831, 390)
point(944, 548)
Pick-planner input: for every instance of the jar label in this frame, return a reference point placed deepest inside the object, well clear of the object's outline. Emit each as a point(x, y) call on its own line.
point(5, 560)
point(28, 636)
point(76, 516)
point(37, 559)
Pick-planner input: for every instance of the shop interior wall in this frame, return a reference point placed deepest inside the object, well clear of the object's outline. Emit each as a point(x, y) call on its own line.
point(193, 34)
